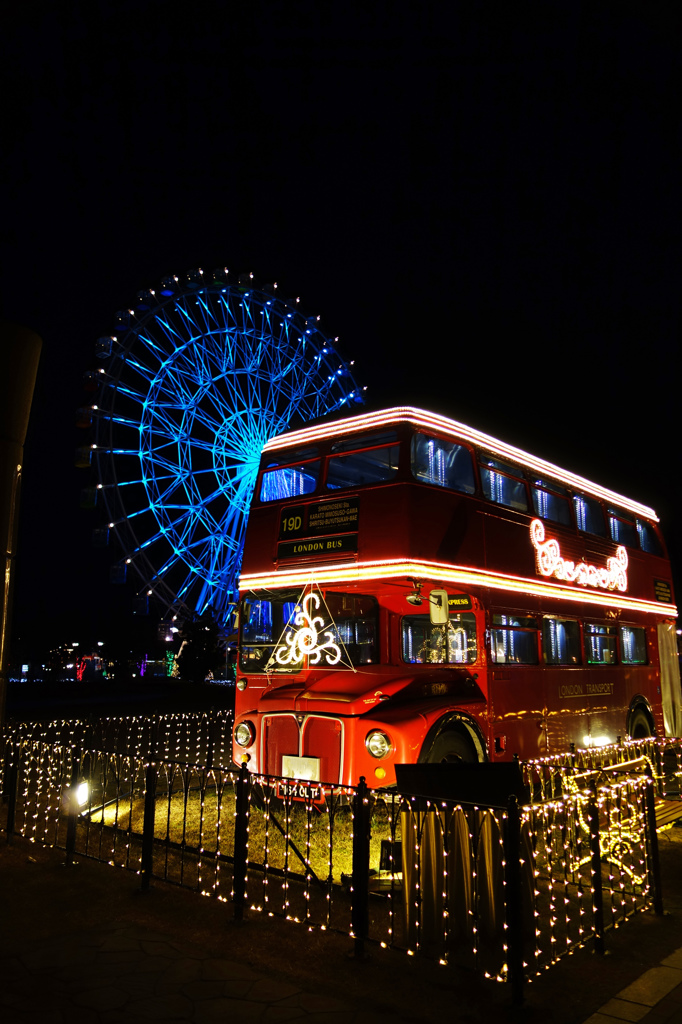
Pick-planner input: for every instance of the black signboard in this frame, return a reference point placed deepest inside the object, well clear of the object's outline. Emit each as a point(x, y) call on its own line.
point(320, 518)
point(306, 547)
point(663, 591)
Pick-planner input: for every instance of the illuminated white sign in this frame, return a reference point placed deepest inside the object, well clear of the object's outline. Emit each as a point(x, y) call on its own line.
point(305, 640)
point(550, 563)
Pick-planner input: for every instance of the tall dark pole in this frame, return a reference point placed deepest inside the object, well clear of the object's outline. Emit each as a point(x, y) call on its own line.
point(19, 355)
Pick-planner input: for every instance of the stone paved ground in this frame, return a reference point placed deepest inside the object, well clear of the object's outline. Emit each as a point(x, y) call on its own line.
point(82, 944)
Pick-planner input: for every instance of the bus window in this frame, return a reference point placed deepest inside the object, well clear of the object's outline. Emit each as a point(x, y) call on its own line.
point(263, 621)
point(600, 644)
point(632, 645)
point(425, 644)
point(443, 463)
point(269, 625)
point(648, 538)
point(561, 641)
point(289, 481)
point(500, 487)
point(354, 626)
point(589, 515)
point(550, 502)
point(514, 640)
point(623, 529)
point(372, 466)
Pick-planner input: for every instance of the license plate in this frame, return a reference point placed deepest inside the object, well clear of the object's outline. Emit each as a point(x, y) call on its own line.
point(304, 773)
point(300, 791)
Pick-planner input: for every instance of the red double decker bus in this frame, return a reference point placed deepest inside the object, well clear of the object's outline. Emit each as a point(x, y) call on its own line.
point(415, 590)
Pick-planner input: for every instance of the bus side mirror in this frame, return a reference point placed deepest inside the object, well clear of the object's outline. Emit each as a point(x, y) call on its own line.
point(439, 612)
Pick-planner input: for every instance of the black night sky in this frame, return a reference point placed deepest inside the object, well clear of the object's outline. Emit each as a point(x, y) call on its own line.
point(481, 200)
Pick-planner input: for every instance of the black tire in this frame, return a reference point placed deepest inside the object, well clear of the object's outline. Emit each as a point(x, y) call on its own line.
point(452, 746)
point(640, 725)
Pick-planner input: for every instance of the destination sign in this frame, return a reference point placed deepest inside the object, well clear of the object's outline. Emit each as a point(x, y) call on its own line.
point(319, 518)
point(305, 547)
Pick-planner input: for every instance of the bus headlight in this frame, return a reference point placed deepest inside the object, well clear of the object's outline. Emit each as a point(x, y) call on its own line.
point(244, 734)
point(378, 743)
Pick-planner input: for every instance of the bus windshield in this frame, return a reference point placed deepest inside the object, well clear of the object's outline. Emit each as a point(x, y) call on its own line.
point(289, 631)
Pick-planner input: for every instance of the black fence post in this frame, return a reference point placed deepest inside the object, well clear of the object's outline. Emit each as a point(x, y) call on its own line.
point(597, 891)
point(147, 857)
point(512, 857)
point(72, 809)
point(654, 861)
point(360, 885)
point(241, 842)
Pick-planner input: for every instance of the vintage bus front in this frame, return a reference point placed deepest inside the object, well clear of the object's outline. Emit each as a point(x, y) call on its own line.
point(335, 683)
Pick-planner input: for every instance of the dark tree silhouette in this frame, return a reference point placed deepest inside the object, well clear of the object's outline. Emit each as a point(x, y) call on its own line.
point(201, 650)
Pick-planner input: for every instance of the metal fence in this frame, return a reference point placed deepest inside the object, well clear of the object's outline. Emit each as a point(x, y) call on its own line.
point(504, 890)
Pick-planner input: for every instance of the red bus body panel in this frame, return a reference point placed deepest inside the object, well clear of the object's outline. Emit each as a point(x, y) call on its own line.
point(469, 546)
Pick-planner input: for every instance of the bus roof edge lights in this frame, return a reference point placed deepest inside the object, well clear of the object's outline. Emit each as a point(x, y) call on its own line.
point(459, 431)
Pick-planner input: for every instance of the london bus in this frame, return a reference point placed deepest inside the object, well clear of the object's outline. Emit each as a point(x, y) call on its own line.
point(415, 590)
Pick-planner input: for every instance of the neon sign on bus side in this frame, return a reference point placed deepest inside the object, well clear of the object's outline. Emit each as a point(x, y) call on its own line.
point(613, 576)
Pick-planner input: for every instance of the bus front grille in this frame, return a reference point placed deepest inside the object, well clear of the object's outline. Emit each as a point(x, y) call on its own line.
point(315, 736)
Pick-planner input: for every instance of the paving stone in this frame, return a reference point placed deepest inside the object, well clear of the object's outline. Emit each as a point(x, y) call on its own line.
point(55, 955)
point(178, 972)
point(274, 1013)
point(118, 956)
point(315, 1002)
point(331, 1017)
point(122, 940)
point(271, 990)
point(147, 965)
point(155, 948)
point(622, 1009)
point(219, 1011)
point(226, 969)
point(101, 998)
point(165, 1008)
point(652, 985)
point(674, 960)
point(202, 989)
point(11, 968)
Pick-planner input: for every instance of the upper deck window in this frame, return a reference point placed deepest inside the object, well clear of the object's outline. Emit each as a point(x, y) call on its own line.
point(550, 501)
point(424, 643)
point(589, 515)
point(623, 529)
point(362, 467)
point(648, 538)
point(501, 483)
point(443, 463)
point(289, 481)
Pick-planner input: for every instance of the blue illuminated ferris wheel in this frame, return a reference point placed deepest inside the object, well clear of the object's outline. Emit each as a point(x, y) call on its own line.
point(196, 379)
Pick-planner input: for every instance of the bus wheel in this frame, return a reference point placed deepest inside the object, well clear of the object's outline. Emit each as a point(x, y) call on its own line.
point(640, 726)
point(452, 747)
